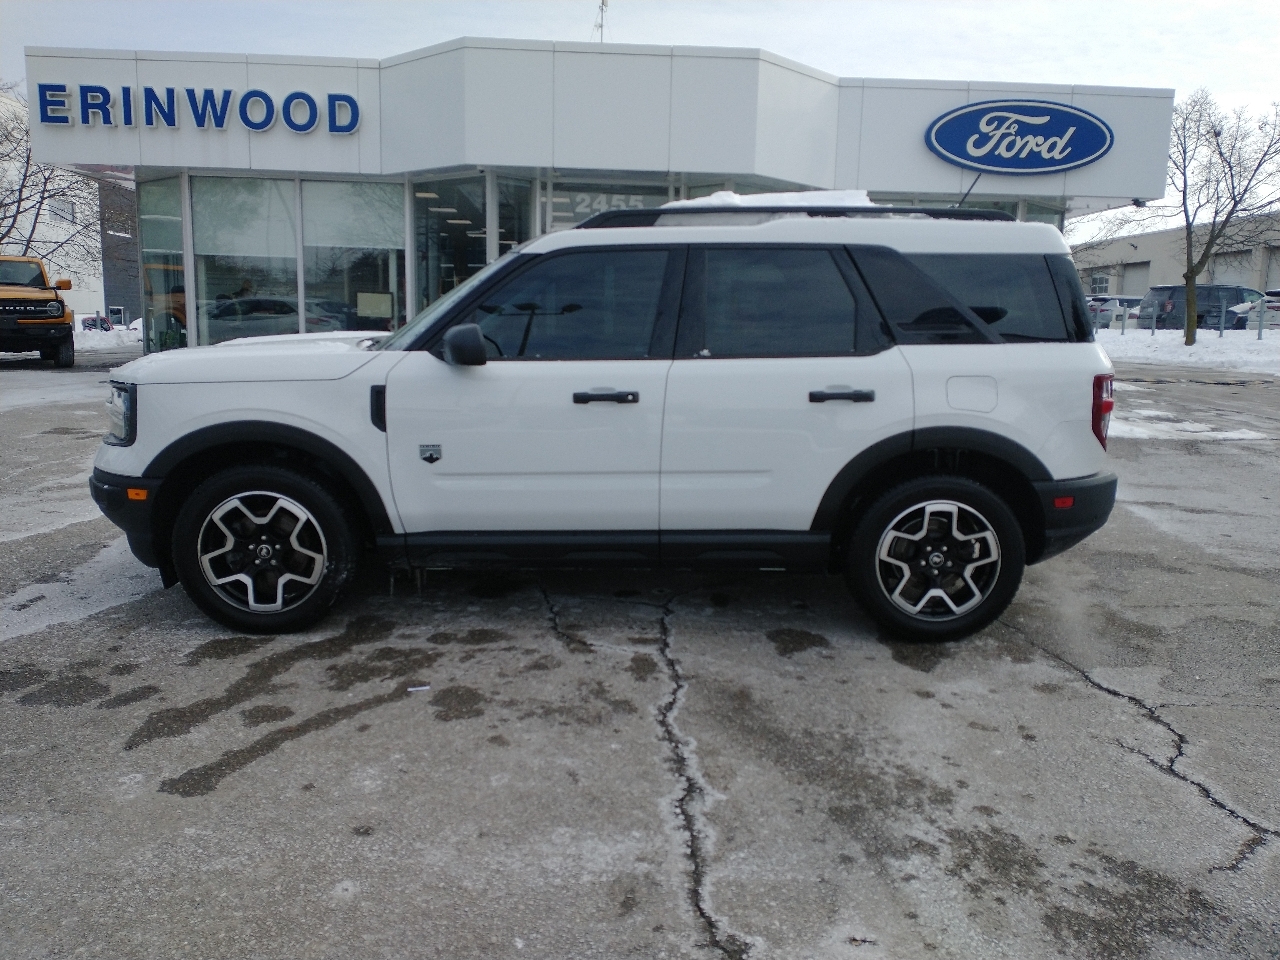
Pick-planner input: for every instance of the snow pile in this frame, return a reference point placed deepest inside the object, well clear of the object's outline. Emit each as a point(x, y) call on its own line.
point(114, 339)
point(1147, 424)
point(803, 198)
point(1235, 350)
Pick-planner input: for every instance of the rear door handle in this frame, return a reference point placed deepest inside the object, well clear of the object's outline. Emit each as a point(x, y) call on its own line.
point(857, 396)
point(612, 396)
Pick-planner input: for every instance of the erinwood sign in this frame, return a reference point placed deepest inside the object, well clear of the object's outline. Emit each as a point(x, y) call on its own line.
point(1019, 137)
point(205, 108)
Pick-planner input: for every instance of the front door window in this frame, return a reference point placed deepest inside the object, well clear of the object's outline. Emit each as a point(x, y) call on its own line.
point(580, 306)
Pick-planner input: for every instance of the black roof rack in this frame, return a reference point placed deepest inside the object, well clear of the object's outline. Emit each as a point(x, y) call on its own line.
point(648, 217)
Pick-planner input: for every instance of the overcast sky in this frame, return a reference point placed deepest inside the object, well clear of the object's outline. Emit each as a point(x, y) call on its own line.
point(1231, 48)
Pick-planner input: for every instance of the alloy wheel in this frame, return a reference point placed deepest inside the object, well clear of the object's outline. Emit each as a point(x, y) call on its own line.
point(262, 552)
point(938, 560)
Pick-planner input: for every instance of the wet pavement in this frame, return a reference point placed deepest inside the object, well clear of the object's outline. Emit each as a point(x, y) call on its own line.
point(645, 765)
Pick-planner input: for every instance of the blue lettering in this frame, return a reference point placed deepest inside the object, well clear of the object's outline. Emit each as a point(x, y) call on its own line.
point(53, 96)
point(313, 112)
point(353, 113)
point(207, 107)
point(126, 105)
point(151, 106)
point(99, 104)
point(268, 110)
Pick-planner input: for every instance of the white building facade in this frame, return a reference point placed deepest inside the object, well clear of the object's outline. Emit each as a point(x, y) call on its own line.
point(301, 192)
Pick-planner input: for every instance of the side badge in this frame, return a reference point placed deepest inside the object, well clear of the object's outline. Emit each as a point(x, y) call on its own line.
point(429, 452)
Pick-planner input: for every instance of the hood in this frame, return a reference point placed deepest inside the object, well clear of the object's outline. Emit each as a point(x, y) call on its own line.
point(293, 357)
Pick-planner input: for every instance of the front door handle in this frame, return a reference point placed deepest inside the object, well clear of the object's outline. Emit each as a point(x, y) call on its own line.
point(857, 396)
point(608, 396)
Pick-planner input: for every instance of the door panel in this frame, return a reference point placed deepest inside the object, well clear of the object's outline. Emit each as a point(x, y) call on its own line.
point(516, 451)
point(745, 448)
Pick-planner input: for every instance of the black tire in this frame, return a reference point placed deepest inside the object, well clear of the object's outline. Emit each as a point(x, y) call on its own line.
point(65, 353)
point(951, 598)
point(295, 526)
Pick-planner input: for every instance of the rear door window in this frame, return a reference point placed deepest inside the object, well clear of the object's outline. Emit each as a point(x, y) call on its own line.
point(767, 302)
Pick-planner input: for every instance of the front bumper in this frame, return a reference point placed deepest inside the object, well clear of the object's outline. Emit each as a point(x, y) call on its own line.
point(21, 337)
point(1091, 501)
point(129, 503)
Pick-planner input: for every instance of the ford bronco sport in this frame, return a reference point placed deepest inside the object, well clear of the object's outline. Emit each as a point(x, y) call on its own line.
point(911, 398)
point(32, 315)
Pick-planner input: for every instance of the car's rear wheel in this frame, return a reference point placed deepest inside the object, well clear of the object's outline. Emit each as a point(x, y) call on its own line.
point(936, 558)
point(263, 549)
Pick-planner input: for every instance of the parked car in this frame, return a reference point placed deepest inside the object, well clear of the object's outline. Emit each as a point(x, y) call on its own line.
point(32, 314)
point(1095, 303)
point(1246, 314)
point(266, 316)
point(913, 401)
point(1166, 306)
point(1112, 310)
point(96, 322)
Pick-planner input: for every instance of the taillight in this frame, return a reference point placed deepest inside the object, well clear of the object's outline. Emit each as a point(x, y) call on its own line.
point(1103, 404)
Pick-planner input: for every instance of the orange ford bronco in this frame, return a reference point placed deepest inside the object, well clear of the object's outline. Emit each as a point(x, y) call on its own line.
point(32, 315)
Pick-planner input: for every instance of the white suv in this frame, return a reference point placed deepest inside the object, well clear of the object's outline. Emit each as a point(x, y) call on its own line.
point(912, 398)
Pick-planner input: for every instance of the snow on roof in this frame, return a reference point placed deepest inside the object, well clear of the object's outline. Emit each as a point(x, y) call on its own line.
point(800, 198)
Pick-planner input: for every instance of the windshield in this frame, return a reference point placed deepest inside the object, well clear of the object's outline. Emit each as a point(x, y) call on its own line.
point(410, 331)
point(21, 273)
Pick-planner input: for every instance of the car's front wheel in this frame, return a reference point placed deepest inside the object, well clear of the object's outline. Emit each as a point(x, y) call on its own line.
point(65, 353)
point(263, 549)
point(936, 558)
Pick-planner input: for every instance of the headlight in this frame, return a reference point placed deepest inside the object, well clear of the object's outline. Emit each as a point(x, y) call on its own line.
point(54, 308)
point(122, 411)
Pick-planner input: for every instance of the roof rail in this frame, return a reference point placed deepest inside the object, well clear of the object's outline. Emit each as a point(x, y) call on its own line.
point(649, 217)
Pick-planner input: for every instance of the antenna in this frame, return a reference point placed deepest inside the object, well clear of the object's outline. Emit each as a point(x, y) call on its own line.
point(599, 25)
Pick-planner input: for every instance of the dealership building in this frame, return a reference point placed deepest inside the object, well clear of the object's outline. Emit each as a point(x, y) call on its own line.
point(364, 189)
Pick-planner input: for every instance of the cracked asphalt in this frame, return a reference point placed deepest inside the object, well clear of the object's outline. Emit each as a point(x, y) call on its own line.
point(642, 765)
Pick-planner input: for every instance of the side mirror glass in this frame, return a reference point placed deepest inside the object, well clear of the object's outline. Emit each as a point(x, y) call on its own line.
point(464, 346)
point(62, 284)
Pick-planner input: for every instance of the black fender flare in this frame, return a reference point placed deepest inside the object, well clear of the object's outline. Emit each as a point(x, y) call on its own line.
point(265, 432)
point(994, 445)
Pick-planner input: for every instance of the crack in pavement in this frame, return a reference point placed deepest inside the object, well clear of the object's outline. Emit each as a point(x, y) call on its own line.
point(1262, 833)
point(693, 791)
point(573, 642)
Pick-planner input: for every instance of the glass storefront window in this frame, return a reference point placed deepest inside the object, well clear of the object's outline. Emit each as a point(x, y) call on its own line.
point(1040, 213)
point(353, 255)
point(572, 203)
point(246, 257)
point(164, 308)
point(448, 221)
point(515, 213)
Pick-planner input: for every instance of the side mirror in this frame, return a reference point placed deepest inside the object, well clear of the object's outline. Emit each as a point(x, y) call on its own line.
point(62, 284)
point(464, 346)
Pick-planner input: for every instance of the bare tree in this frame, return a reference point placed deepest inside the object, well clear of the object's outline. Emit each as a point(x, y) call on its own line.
point(1224, 171)
point(45, 211)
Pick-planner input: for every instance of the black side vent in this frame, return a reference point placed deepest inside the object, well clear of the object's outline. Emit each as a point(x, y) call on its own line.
point(378, 407)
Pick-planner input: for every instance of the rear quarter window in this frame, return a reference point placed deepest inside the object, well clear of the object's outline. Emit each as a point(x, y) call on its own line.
point(1016, 295)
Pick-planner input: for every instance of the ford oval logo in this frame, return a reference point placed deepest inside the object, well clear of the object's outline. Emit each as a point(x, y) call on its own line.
point(1019, 137)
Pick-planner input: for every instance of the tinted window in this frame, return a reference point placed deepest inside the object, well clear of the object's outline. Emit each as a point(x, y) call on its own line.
point(597, 305)
point(21, 273)
point(769, 302)
point(1066, 282)
point(1013, 294)
point(917, 308)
